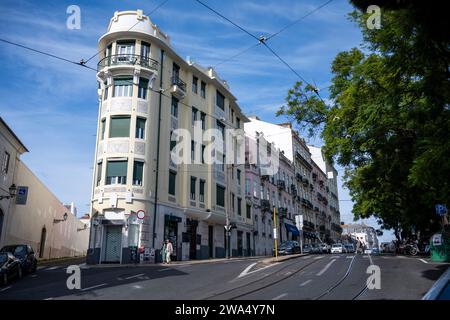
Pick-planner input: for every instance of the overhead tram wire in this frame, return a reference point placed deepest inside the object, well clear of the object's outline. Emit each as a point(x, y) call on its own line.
point(152, 11)
point(276, 33)
point(262, 40)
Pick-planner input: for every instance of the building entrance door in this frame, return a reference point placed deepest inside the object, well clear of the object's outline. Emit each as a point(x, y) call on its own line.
point(171, 233)
point(239, 243)
point(249, 250)
point(211, 241)
point(113, 244)
point(192, 231)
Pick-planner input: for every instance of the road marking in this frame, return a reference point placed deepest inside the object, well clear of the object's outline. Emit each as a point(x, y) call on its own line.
point(280, 296)
point(317, 258)
point(246, 270)
point(321, 272)
point(136, 286)
point(349, 257)
point(165, 269)
point(402, 257)
point(34, 275)
point(53, 268)
point(99, 285)
point(135, 276)
point(306, 257)
point(423, 261)
point(305, 283)
point(51, 298)
point(4, 289)
point(41, 267)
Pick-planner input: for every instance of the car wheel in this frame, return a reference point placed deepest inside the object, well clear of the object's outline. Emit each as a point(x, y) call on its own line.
point(34, 267)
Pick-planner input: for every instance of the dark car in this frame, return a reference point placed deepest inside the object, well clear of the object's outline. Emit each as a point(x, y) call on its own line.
point(25, 254)
point(9, 267)
point(316, 248)
point(307, 248)
point(289, 247)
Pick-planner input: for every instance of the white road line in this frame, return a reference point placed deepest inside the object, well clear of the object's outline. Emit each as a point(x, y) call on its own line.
point(246, 270)
point(280, 296)
point(305, 283)
point(34, 275)
point(424, 261)
point(53, 268)
point(165, 269)
point(321, 272)
point(349, 257)
point(137, 286)
point(99, 285)
point(135, 276)
point(50, 298)
point(4, 289)
point(41, 267)
point(317, 258)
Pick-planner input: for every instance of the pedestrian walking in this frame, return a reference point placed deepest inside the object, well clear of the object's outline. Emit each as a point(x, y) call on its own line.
point(169, 250)
point(163, 252)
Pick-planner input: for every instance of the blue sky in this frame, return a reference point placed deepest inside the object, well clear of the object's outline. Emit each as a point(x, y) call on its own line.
point(52, 105)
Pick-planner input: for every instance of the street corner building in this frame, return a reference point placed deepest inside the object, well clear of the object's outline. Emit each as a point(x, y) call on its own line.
point(140, 197)
point(30, 213)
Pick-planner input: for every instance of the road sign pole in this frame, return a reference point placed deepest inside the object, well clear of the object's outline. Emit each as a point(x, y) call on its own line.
point(275, 235)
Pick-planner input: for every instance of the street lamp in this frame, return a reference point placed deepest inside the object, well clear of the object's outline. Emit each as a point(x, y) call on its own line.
point(60, 220)
point(12, 192)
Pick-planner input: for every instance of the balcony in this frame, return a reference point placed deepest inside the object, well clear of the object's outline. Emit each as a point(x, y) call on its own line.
point(127, 60)
point(178, 87)
point(293, 190)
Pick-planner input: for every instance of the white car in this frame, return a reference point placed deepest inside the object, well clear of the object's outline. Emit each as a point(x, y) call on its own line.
point(337, 248)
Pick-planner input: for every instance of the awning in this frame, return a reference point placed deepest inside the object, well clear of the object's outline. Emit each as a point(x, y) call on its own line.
point(292, 229)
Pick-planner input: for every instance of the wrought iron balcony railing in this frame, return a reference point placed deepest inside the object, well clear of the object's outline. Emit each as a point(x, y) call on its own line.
point(176, 81)
point(127, 59)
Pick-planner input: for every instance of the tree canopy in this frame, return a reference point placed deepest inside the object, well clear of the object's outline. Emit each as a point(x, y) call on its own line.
point(388, 119)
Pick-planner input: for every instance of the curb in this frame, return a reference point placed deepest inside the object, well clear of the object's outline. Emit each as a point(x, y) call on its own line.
point(438, 287)
point(284, 258)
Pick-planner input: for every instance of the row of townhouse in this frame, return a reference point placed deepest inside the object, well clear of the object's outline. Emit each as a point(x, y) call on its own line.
point(151, 101)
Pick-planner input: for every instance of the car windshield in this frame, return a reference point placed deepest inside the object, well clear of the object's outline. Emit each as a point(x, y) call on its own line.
point(337, 245)
point(18, 251)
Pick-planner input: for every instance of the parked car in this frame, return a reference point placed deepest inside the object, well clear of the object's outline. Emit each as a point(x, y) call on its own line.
point(307, 248)
point(324, 248)
point(25, 254)
point(289, 247)
point(375, 251)
point(350, 248)
point(337, 248)
point(316, 248)
point(9, 267)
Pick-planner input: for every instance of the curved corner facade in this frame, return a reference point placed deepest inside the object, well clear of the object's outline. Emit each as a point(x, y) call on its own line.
point(133, 172)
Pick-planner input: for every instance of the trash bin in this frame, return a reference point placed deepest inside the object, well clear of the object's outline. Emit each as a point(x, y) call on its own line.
point(440, 247)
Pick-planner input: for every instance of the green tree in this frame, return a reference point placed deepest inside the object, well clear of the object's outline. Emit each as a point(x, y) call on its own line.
point(388, 122)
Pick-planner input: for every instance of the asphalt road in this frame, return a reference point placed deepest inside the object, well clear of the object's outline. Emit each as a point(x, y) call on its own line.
point(337, 276)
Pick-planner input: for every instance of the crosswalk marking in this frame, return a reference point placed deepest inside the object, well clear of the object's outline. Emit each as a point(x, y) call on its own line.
point(280, 296)
point(305, 283)
point(53, 268)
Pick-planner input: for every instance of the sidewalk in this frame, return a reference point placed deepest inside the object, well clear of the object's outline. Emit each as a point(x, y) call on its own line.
point(57, 261)
point(263, 259)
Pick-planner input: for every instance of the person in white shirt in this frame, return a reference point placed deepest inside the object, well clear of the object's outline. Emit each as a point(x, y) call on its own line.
point(169, 250)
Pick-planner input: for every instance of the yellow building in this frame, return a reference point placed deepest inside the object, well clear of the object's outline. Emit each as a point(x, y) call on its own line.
point(140, 195)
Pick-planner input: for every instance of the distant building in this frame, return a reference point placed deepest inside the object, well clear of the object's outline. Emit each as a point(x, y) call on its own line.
point(34, 215)
point(362, 232)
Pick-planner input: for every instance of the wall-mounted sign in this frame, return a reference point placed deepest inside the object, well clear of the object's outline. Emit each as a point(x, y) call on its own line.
point(140, 214)
point(22, 195)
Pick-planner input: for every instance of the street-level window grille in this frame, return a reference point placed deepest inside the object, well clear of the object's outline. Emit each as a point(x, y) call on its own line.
point(140, 128)
point(116, 172)
point(120, 127)
point(138, 172)
point(193, 183)
point(143, 88)
point(123, 87)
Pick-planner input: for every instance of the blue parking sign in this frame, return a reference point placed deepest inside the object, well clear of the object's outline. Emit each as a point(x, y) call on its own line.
point(441, 209)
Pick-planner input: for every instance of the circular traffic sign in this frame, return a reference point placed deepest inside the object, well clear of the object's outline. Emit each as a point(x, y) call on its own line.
point(141, 214)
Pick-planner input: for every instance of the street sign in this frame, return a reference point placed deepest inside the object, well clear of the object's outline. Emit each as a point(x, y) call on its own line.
point(140, 214)
point(22, 194)
point(441, 209)
point(299, 221)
